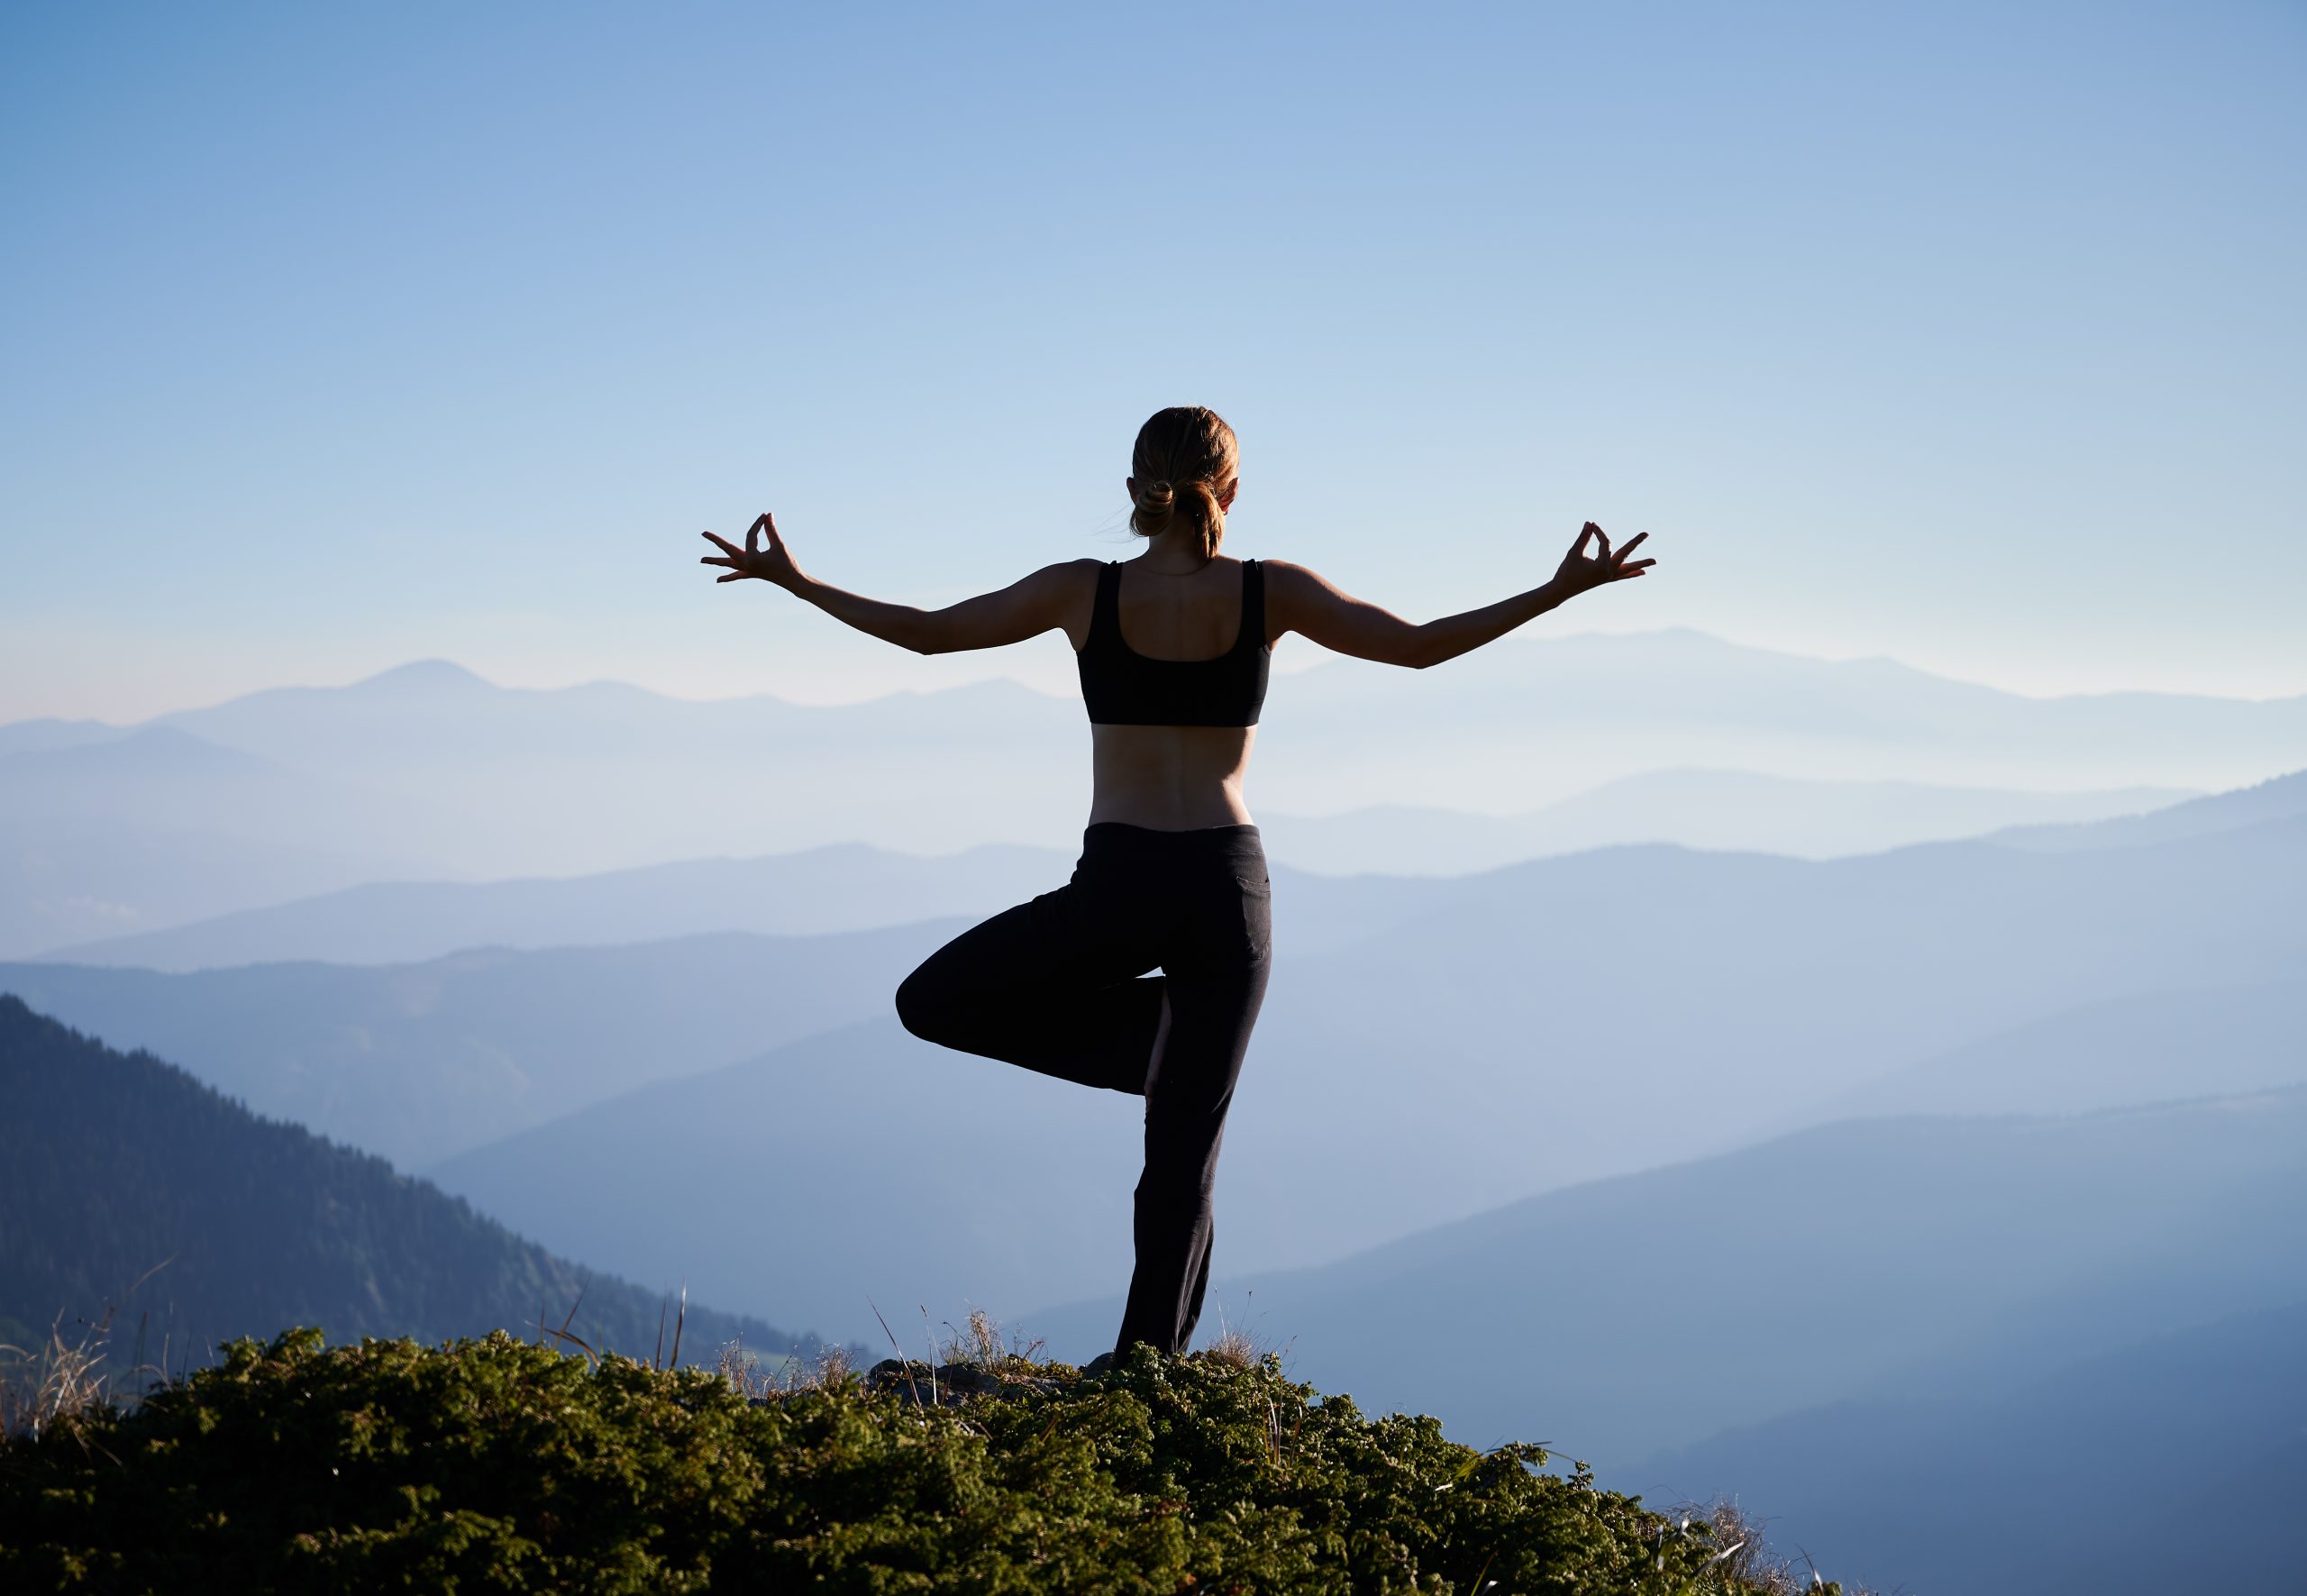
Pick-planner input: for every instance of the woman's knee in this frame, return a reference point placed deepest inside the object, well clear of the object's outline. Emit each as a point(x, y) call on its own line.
point(1180, 1161)
point(921, 1004)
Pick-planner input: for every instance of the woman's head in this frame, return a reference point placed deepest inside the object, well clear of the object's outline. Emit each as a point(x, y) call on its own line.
point(1183, 476)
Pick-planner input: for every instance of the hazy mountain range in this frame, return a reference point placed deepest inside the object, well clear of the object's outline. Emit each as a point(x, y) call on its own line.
point(427, 771)
point(850, 886)
point(415, 1062)
point(421, 1060)
point(1589, 1118)
point(1912, 1259)
point(2035, 1486)
point(1737, 810)
point(1579, 1017)
point(1484, 1038)
point(157, 826)
point(1946, 1354)
point(1910, 1343)
point(2132, 1049)
point(840, 887)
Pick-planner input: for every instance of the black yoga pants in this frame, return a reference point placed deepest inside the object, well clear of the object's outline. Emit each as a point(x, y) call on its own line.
point(1058, 984)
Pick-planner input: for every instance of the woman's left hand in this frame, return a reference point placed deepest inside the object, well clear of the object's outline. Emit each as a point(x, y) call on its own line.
point(1580, 571)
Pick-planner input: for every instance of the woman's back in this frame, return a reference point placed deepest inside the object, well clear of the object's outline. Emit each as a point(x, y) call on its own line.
point(1173, 668)
point(1173, 616)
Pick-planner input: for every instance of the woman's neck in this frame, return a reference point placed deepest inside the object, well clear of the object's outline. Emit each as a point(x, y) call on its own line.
point(1171, 554)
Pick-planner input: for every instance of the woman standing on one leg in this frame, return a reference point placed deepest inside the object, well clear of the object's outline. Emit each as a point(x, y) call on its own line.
point(1173, 647)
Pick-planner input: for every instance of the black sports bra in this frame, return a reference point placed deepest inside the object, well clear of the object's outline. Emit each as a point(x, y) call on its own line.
point(1122, 686)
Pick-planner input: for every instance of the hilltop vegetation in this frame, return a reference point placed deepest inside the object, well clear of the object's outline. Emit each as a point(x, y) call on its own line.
point(117, 1169)
point(496, 1466)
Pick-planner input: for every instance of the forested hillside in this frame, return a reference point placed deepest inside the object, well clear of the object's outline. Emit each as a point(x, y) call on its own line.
point(117, 1169)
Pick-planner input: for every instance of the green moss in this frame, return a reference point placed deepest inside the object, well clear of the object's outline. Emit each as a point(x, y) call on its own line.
point(493, 1465)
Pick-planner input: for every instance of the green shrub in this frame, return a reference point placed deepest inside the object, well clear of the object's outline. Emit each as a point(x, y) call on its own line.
point(495, 1465)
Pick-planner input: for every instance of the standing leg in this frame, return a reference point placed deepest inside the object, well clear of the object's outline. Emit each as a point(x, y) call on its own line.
point(1217, 986)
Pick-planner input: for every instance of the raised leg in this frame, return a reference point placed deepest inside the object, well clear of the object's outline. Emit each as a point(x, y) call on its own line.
point(1047, 985)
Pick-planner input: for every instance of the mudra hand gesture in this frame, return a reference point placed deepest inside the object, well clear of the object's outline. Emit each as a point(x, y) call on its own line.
point(772, 564)
point(1580, 571)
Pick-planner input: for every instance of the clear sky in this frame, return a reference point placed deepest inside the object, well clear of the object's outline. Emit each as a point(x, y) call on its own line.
point(341, 335)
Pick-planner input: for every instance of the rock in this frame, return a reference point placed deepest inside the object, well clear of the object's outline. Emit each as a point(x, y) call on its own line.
point(891, 1371)
point(953, 1382)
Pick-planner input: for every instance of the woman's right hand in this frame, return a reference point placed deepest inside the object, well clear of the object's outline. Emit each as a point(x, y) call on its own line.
point(771, 564)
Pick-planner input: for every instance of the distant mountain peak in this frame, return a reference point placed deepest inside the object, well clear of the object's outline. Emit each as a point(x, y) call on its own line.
point(425, 674)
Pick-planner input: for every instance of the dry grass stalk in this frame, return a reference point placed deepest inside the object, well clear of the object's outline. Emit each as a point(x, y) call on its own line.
point(1234, 1346)
point(834, 1368)
point(894, 1347)
point(1237, 1347)
point(1742, 1560)
point(62, 1378)
point(980, 1344)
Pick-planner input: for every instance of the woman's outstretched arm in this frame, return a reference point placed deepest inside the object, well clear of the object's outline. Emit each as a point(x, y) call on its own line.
point(1300, 601)
point(1030, 606)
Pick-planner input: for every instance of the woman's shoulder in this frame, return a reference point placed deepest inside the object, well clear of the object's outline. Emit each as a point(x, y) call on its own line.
point(1066, 575)
point(1285, 573)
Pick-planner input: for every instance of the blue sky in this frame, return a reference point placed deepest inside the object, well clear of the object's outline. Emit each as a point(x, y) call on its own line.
point(339, 336)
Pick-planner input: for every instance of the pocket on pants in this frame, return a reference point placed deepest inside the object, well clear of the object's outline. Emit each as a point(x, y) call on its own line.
point(1253, 911)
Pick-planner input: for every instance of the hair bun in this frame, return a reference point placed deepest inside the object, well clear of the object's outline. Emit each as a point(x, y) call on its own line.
point(1183, 457)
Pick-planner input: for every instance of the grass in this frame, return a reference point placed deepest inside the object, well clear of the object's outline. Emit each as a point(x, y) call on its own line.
point(502, 1465)
point(1237, 1345)
point(60, 1379)
point(1745, 1557)
point(979, 1344)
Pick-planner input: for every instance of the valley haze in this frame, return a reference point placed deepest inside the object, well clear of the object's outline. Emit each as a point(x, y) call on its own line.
point(426, 773)
point(1950, 1111)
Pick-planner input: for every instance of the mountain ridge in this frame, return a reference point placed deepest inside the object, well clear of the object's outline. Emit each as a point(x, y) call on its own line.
point(400, 920)
point(1471, 1034)
point(436, 670)
point(445, 775)
point(2124, 1225)
point(1888, 663)
point(126, 1184)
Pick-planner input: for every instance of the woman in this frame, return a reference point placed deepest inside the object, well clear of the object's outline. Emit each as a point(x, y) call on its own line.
point(1173, 647)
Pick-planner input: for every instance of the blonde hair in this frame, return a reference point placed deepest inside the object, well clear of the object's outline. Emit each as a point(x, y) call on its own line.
point(1184, 458)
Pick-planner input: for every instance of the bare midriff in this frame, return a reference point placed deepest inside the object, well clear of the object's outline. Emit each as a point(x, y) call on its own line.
point(1170, 777)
